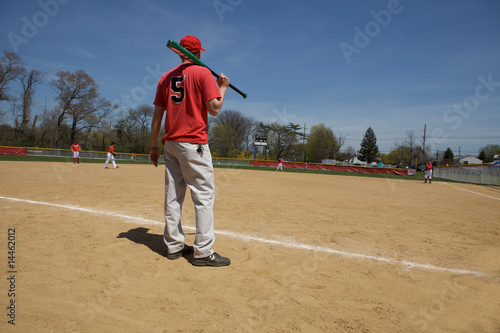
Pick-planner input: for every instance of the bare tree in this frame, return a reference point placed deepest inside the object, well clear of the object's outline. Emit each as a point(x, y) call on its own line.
point(340, 143)
point(132, 129)
point(144, 115)
point(126, 128)
point(348, 154)
point(11, 67)
point(88, 115)
point(46, 125)
point(409, 150)
point(100, 137)
point(283, 140)
point(23, 120)
point(78, 98)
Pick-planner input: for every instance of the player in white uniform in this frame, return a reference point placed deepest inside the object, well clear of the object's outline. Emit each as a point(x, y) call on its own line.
point(280, 165)
point(111, 157)
point(75, 147)
point(428, 172)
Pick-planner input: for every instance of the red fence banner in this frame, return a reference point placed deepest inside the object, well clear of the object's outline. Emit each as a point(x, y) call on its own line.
point(337, 167)
point(13, 151)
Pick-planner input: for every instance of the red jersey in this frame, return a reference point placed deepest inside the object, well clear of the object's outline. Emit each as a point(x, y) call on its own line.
point(183, 91)
point(75, 147)
point(428, 166)
point(111, 149)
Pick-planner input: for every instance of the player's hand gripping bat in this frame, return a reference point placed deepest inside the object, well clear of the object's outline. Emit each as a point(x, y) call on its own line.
point(174, 46)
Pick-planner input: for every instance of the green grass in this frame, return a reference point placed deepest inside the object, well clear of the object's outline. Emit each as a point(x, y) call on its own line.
point(418, 176)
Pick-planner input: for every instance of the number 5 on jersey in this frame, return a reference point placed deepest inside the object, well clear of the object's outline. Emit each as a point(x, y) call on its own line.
point(177, 87)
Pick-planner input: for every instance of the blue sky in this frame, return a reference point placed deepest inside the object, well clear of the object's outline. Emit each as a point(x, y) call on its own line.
point(391, 65)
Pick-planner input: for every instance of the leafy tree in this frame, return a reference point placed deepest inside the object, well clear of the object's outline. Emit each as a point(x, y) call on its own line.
point(489, 152)
point(242, 127)
point(369, 149)
point(222, 140)
point(448, 154)
point(7, 135)
point(482, 155)
point(321, 143)
point(100, 138)
point(448, 157)
point(392, 158)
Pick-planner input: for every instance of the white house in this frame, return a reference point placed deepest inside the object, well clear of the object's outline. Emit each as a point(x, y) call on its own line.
point(469, 160)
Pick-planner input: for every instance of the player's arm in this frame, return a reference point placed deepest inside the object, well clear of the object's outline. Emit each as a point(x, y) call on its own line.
point(214, 105)
point(154, 153)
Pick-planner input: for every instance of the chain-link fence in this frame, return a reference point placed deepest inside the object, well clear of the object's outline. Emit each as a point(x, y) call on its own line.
point(83, 154)
point(119, 156)
point(484, 174)
point(229, 161)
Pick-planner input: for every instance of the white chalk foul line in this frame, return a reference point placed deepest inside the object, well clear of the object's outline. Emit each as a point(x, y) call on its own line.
point(293, 245)
point(462, 189)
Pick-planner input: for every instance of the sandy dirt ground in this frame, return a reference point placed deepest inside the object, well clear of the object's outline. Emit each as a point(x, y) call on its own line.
point(310, 253)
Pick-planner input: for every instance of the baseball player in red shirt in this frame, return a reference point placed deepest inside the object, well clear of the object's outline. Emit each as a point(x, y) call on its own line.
point(111, 156)
point(280, 165)
point(187, 93)
point(428, 172)
point(75, 147)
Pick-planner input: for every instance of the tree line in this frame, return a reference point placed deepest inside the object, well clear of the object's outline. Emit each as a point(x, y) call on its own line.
point(82, 114)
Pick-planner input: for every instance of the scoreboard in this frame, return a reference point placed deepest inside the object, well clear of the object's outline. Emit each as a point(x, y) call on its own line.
point(260, 141)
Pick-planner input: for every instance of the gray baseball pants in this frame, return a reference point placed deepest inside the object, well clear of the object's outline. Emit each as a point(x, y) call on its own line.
point(186, 167)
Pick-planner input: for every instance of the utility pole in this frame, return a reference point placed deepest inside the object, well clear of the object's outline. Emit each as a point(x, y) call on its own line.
point(303, 143)
point(425, 126)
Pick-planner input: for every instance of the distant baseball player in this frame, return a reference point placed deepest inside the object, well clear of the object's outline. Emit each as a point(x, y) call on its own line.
point(75, 147)
point(111, 156)
point(428, 171)
point(187, 93)
point(280, 165)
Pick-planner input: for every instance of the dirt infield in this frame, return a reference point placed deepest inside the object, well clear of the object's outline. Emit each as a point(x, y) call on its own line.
point(310, 253)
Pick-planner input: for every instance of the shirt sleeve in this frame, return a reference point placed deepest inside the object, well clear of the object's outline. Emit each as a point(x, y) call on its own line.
point(160, 94)
point(211, 89)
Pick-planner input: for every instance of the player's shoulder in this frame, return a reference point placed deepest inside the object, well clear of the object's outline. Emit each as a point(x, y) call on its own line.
point(190, 70)
point(196, 70)
point(172, 72)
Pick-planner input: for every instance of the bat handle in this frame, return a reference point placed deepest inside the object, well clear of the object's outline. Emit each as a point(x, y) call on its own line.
point(231, 86)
